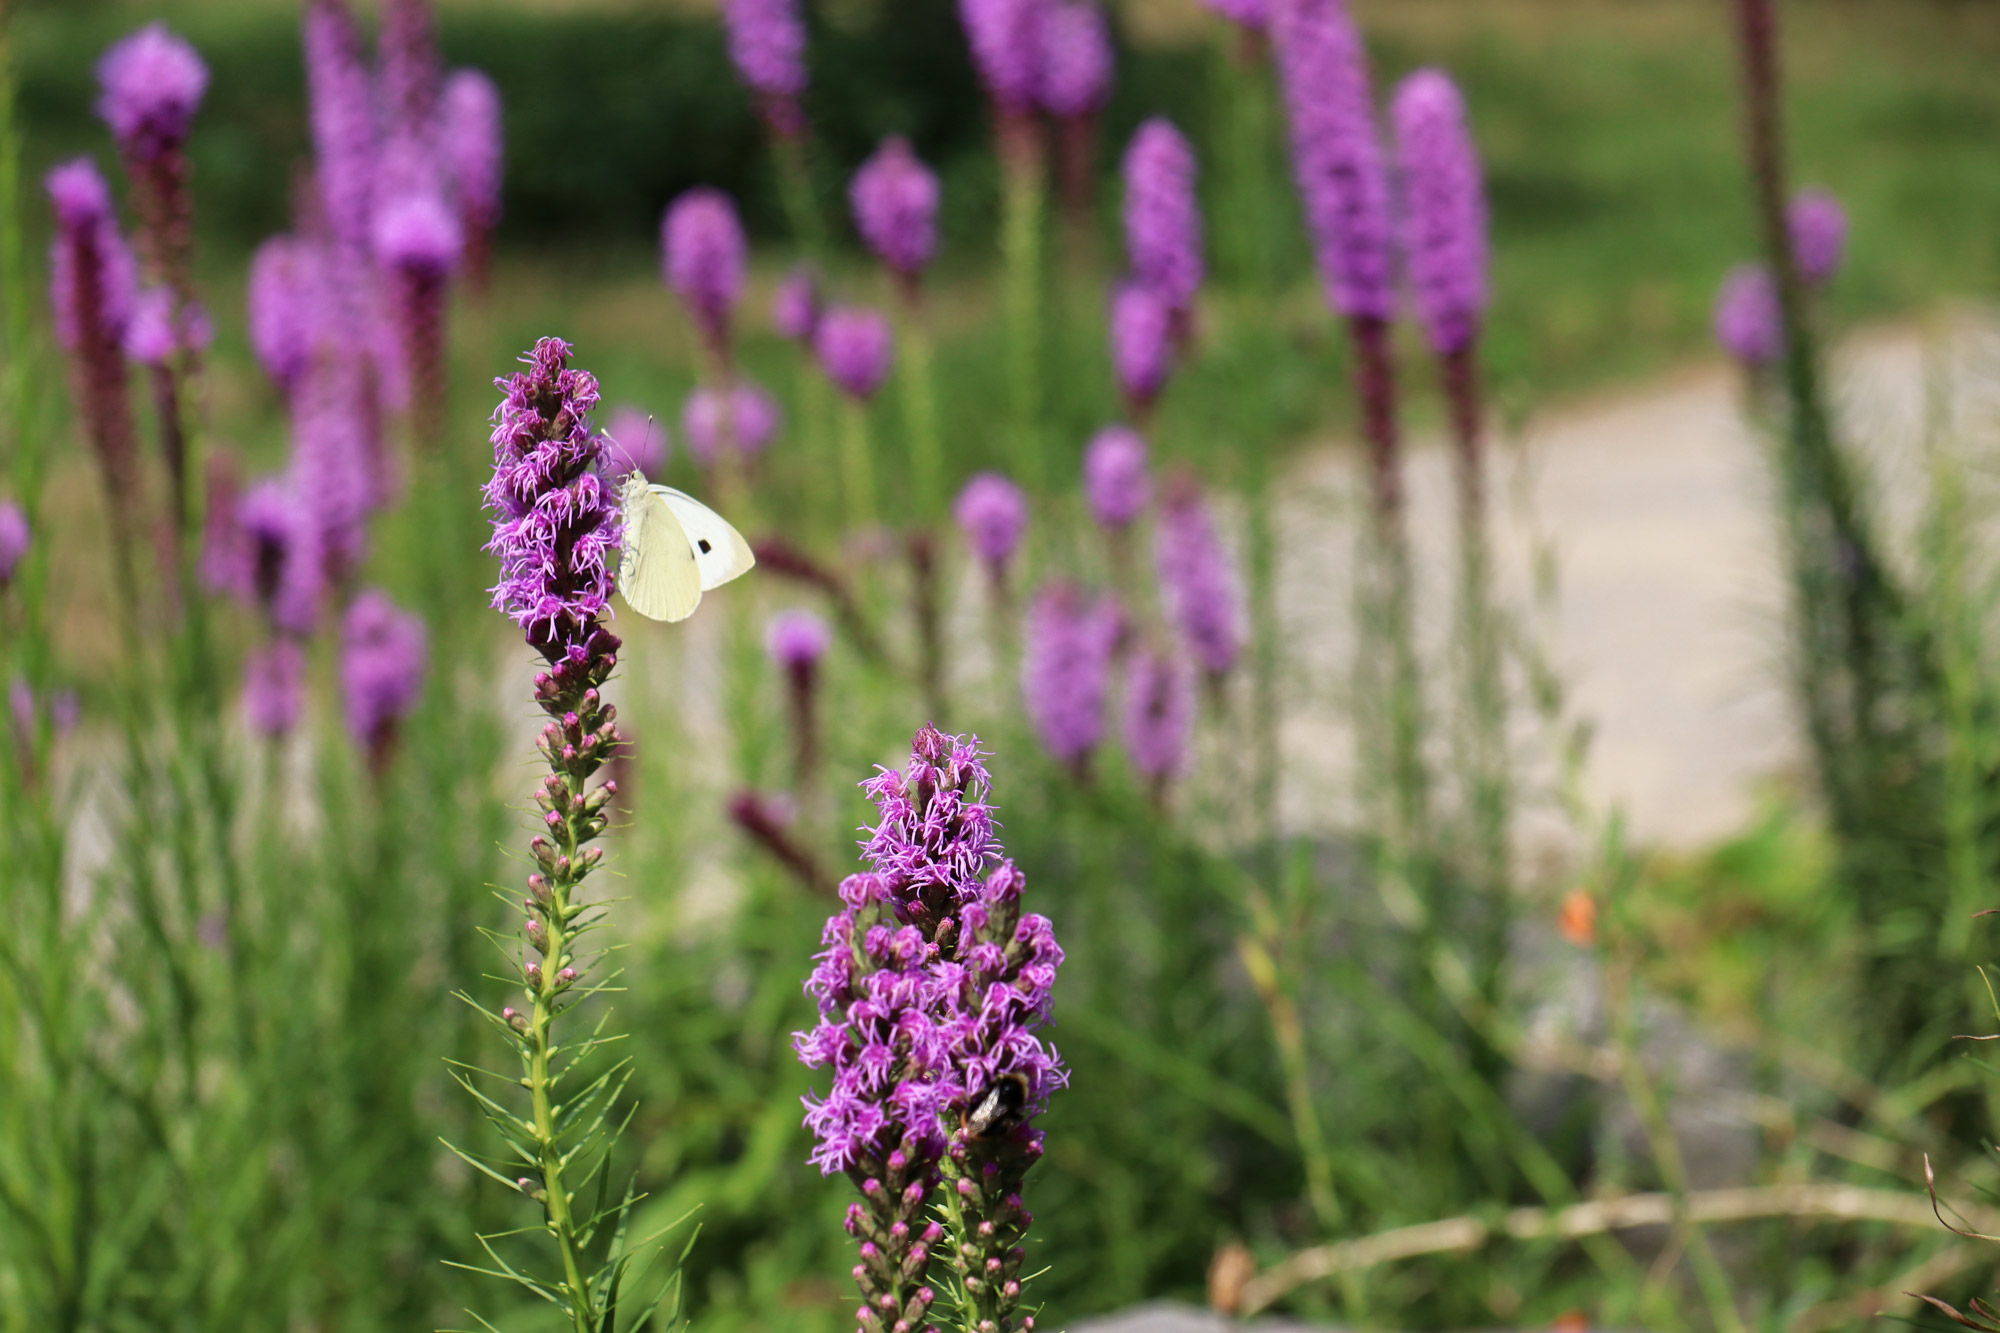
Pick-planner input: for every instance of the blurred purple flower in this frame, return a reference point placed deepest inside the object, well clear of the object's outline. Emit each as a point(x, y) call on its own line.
point(634, 441)
point(1336, 157)
point(152, 84)
point(345, 135)
point(704, 253)
point(1077, 59)
point(1819, 235)
point(796, 307)
point(1162, 216)
point(1006, 41)
point(13, 540)
point(274, 687)
point(1141, 343)
point(1196, 581)
point(992, 513)
point(1444, 209)
point(556, 523)
point(797, 639)
point(1159, 714)
point(382, 655)
point(332, 475)
point(1114, 477)
point(410, 69)
point(767, 44)
point(93, 280)
point(154, 335)
point(1066, 669)
point(472, 139)
point(747, 415)
point(1748, 322)
point(855, 346)
point(895, 200)
point(273, 559)
point(288, 316)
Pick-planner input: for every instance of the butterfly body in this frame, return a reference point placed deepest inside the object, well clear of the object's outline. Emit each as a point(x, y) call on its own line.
point(673, 550)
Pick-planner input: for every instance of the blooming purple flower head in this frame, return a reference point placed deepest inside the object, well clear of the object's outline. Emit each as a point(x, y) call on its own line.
point(1142, 351)
point(1748, 322)
point(1444, 209)
point(1819, 235)
point(635, 442)
point(895, 199)
point(1076, 59)
point(992, 513)
point(13, 540)
point(382, 654)
point(333, 470)
point(274, 687)
point(1066, 669)
point(275, 559)
point(345, 134)
point(89, 262)
point(1251, 14)
point(795, 309)
point(704, 253)
point(746, 419)
point(152, 85)
point(1196, 580)
point(417, 233)
point(1114, 477)
point(1006, 41)
point(855, 346)
point(556, 523)
point(1159, 714)
point(797, 639)
point(288, 314)
point(472, 140)
point(1162, 217)
point(155, 333)
point(1336, 157)
point(767, 44)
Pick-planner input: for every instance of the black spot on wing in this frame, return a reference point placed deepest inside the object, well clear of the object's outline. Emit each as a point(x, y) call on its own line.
point(705, 547)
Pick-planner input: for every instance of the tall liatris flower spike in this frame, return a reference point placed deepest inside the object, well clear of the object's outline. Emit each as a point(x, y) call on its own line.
point(345, 135)
point(1819, 235)
point(1747, 320)
point(1163, 218)
point(1077, 64)
point(767, 44)
point(796, 641)
point(1159, 716)
point(895, 200)
point(285, 307)
point(473, 142)
point(556, 529)
point(14, 540)
point(411, 73)
point(1142, 345)
point(382, 656)
point(1115, 480)
point(1066, 671)
point(992, 512)
point(419, 242)
point(702, 257)
point(152, 85)
point(1197, 582)
point(1006, 40)
point(1444, 209)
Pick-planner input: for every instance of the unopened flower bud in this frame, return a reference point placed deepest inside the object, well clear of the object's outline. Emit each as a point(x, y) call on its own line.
point(534, 975)
point(1012, 1291)
point(992, 1265)
point(566, 977)
point(966, 1188)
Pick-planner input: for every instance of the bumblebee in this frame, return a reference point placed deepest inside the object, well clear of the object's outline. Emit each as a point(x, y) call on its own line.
point(999, 1111)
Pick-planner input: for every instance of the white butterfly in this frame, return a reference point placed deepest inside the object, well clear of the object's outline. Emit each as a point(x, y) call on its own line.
point(675, 549)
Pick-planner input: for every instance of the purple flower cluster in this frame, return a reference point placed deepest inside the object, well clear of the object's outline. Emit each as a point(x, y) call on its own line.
point(1444, 209)
point(856, 346)
point(895, 200)
point(1115, 481)
point(703, 253)
point(1336, 157)
point(1142, 344)
point(767, 44)
point(795, 308)
point(1159, 714)
point(1006, 39)
point(556, 523)
point(1066, 670)
point(1076, 59)
point(992, 512)
point(932, 987)
point(274, 687)
point(93, 285)
point(796, 640)
point(472, 138)
point(152, 83)
point(14, 539)
point(1818, 226)
point(340, 99)
point(1748, 322)
point(1162, 217)
point(382, 657)
point(744, 421)
point(1196, 579)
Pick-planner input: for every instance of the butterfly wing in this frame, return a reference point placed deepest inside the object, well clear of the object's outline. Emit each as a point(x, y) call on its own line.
point(657, 573)
point(719, 550)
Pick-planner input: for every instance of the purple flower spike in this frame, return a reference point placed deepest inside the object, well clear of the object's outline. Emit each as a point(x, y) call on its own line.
point(1006, 41)
point(152, 85)
point(345, 135)
point(13, 540)
point(155, 333)
point(331, 467)
point(1162, 218)
point(1142, 354)
point(992, 513)
point(797, 639)
point(556, 523)
point(796, 307)
point(473, 143)
point(274, 687)
point(704, 253)
point(272, 559)
point(634, 441)
point(747, 418)
point(1114, 477)
point(1159, 714)
point(287, 307)
point(767, 44)
point(895, 199)
point(418, 234)
point(90, 264)
point(1076, 59)
point(1336, 157)
point(1819, 235)
point(855, 346)
point(382, 657)
point(1748, 322)
point(1444, 209)
point(1251, 14)
point(1196, 579)
point(409, 63)
point(1066, 670)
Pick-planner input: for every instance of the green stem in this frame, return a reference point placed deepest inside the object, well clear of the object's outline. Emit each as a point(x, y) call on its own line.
point(796, 194)
point(1023, 201)
point(562, 1224)
point(920, 406)
point(857, 464)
